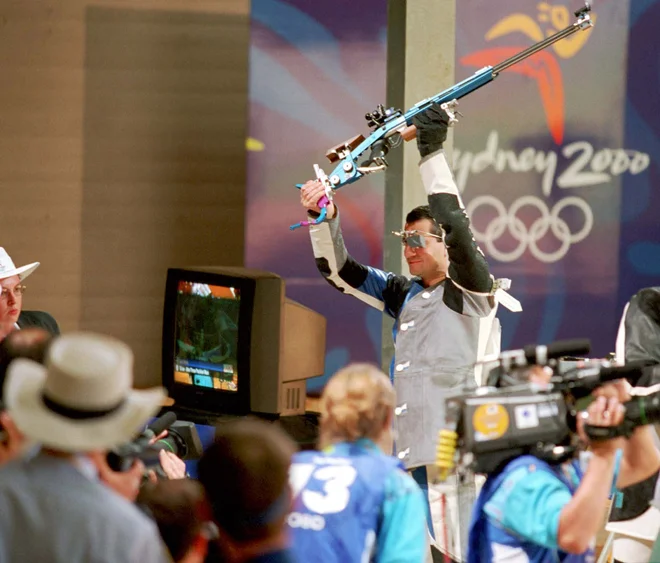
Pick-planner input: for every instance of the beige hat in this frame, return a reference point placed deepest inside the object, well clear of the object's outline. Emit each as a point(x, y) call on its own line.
point(8, 269)
point(82, 398)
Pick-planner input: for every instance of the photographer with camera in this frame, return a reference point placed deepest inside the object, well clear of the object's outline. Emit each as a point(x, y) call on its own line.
point(161, 447)
point(33, 343)
point(547, 511)
point(53, 505)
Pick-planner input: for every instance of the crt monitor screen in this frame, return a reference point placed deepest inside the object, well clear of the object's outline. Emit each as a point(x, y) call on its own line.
point(206, 340)
point(233, 344)
point(206, 337)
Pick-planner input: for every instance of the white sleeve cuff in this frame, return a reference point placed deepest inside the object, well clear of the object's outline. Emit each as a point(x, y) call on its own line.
point(437, 177)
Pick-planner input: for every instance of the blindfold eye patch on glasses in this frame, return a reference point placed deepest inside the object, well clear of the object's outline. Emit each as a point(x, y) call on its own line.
point(414, 239)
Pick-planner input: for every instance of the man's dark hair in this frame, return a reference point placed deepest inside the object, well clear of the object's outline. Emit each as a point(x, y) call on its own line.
point(179, 510)
point(423, 212)
point(245, 476)
point(30, 343)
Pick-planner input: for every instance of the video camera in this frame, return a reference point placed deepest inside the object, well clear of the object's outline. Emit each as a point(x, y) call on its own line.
point(512, 416)
point(640, 411)
point(182, 439)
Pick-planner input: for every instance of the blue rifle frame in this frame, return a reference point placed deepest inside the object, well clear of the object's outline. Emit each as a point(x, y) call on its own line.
point(393, 122)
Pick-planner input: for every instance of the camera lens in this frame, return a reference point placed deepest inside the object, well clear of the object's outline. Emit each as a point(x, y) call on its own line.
point(174, 443)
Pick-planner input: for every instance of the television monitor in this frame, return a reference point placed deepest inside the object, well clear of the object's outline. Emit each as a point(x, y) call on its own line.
point(233, 344)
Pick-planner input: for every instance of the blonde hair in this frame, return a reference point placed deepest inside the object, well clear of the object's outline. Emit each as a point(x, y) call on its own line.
point(355, 403)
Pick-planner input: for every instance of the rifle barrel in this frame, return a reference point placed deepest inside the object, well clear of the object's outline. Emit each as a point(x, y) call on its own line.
point(582, 23)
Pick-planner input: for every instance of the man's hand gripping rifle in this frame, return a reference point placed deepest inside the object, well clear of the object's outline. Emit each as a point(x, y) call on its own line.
point(390, 125)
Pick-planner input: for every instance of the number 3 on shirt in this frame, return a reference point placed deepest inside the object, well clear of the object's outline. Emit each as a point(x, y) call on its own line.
point(336, 479)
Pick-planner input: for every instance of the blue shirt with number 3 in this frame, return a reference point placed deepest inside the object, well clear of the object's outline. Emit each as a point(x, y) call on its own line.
point(352, 503)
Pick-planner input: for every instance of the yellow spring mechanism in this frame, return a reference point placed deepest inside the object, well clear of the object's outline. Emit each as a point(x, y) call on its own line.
point(446, 451)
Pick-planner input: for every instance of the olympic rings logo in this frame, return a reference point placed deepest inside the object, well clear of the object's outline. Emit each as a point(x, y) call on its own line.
point(528, 237)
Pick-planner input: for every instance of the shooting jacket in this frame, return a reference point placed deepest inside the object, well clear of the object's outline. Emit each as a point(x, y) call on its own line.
point(439, 331)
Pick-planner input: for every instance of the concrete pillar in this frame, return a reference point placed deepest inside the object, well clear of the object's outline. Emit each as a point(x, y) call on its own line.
point(420, 62)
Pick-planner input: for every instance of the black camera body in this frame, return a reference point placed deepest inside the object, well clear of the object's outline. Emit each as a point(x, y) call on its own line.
point(492, 425)
point(182, 440)
point(497, 425)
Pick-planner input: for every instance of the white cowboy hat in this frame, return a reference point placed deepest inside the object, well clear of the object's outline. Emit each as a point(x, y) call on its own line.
point(8, 269)
point(82, 398)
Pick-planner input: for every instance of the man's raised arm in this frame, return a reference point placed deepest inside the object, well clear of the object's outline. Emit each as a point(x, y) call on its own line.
point(382, 290)
point(467, 265)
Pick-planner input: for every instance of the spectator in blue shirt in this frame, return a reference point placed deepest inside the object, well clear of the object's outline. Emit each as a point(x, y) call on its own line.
point(352, 501)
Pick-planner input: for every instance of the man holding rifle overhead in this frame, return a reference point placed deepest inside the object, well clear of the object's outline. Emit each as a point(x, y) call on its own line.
point(445, 314)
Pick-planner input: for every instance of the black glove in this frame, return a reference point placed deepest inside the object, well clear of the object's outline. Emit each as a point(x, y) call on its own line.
point(431, 129)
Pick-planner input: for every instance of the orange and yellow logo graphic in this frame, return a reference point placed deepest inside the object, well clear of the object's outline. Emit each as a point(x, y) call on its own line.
point(542, 66)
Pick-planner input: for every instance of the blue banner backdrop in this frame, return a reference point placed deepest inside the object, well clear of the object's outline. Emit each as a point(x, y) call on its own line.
point(543, 161)
point(639, 243)
point(557, 159)
point(316, 69)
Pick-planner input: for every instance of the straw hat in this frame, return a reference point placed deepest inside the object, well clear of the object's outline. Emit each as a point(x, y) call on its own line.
point(82, 398)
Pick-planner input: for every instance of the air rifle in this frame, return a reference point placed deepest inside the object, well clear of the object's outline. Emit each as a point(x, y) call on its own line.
point(391, 125)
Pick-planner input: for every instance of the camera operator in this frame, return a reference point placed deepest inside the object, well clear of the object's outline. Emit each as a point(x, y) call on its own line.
point(53, 506)
point(33, 343)
point(128, 482)
point(549, 512)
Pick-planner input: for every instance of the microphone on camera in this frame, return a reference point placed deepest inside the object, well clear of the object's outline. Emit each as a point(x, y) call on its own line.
point(159, 425)
point(543, 354)
point(582, 381)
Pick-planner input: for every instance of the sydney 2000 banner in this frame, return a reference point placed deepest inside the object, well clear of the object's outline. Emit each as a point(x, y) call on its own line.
point(556, 159)
point(546, 166)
